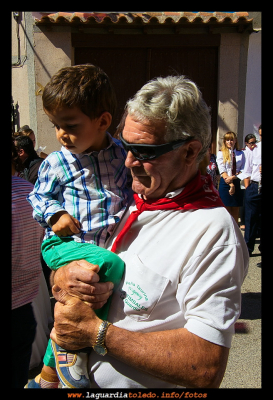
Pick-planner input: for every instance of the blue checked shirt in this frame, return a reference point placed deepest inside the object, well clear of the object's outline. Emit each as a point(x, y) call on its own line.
point(90, 187)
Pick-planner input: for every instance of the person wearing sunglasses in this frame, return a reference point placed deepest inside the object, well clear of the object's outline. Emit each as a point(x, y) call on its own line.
point(250, 142)
point(253, 196)
point(172, 317)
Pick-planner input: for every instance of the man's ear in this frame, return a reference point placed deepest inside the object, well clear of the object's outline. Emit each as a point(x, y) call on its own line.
point(21, 152)
point(192, 150)
point(105, 120)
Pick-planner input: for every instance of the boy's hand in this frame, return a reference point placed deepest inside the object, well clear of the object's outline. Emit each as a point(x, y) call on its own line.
point(63, 224)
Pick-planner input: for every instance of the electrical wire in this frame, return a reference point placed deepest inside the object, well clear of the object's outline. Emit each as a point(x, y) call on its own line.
point(19, 63)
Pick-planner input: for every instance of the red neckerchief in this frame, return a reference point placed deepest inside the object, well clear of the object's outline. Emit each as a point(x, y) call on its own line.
point(198, 193)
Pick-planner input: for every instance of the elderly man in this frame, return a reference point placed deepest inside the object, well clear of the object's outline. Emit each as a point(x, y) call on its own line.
point(173, 315)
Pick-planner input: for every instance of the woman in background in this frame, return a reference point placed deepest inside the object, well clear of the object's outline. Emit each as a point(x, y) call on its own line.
point(230, 163)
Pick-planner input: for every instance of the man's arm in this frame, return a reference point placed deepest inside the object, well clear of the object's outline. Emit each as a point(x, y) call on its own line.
point(177, 356)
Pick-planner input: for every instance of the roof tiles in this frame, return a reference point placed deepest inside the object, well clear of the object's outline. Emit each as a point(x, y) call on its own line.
point(142, 18)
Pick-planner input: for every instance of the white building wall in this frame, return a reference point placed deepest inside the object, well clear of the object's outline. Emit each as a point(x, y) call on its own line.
point(253, 105)
point(52, 52)
point(19, 71)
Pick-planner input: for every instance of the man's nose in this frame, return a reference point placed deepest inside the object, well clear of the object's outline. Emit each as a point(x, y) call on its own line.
point(131, 161)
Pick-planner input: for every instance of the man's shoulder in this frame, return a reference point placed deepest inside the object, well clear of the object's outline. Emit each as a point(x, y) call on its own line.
point(218, 221)
point(20, 186)
point(38, 160)
point(17, 181)
point(218, 215)
point(258, 147)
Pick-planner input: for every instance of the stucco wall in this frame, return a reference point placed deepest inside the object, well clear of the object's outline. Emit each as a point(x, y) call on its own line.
point(253, 102)
point(19, 73)
point(52, 52)
point(231, 84)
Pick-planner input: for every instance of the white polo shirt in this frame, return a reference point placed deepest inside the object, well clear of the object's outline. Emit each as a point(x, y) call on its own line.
point(183, 269)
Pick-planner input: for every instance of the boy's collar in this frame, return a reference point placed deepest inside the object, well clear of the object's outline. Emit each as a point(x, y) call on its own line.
point(110, 143)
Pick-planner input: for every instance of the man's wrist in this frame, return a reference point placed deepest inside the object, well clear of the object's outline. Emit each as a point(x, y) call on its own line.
point(99, 344)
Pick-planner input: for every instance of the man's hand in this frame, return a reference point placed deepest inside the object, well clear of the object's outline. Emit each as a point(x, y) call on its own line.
point(76, 325)
point(80, 279)
point(63, 224)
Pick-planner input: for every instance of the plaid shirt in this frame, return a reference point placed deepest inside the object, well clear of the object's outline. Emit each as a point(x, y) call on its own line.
point(26, 242)
point(90, 187)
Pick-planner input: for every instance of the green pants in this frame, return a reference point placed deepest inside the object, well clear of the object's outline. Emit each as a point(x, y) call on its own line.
point(58, 251)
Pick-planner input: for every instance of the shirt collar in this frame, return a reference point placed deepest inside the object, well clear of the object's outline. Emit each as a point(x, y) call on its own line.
point(110, 141)
point(170, 194)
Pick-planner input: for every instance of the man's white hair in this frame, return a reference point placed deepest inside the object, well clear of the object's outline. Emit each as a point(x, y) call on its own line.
point(177, 101)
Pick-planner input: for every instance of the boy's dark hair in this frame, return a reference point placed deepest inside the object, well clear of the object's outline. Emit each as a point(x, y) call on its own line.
point(25, 143)
point(85, 86)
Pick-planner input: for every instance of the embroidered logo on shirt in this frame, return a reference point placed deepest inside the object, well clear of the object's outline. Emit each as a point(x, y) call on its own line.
point(133, 296)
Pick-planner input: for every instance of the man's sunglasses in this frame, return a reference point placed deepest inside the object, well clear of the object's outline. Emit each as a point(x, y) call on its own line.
point(251, 143)
point(149, 151)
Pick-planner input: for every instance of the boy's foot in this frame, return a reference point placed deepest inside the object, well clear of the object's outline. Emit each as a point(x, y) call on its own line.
point(39, 383)
point(34, 383)
point(71, 368)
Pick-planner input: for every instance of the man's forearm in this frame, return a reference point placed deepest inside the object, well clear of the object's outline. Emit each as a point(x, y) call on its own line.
point(175, 356)
point(51, 278)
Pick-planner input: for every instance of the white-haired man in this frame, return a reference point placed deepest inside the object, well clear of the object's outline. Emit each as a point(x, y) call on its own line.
point(173, 316)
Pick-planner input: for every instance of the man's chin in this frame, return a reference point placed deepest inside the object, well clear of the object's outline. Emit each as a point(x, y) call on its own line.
point(139, 187)
point(146, 191)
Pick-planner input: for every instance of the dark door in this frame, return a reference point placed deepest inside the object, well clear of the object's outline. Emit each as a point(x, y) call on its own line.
point(125, 68)
point(130, 68)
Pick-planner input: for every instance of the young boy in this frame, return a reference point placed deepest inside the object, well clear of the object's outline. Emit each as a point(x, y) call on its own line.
point(80, 194)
